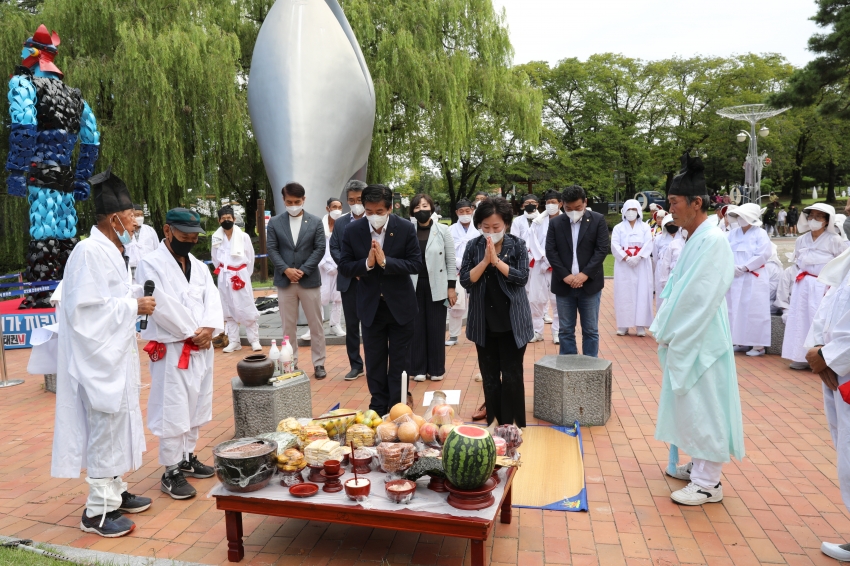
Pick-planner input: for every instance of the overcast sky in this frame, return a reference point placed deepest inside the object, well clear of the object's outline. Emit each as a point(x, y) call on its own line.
point(552, 30)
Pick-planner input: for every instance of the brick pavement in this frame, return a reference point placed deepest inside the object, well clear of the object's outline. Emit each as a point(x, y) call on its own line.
point(780, 502)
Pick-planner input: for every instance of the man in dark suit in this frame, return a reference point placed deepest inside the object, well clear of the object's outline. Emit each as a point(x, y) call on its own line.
point(576, 246)
point(347, 286)
point(296, 243)
point(383, 252)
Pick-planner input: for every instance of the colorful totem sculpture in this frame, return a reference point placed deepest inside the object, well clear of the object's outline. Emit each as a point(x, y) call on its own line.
point(47, 119)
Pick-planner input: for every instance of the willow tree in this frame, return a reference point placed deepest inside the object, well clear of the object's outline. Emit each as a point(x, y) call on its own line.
point(444, 86)
point(161, 78)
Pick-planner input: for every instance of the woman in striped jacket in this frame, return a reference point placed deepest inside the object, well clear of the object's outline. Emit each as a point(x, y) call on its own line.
point(494, 273)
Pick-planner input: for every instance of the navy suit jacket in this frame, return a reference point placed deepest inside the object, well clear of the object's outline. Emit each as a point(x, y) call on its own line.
point(592, 247)
point(404, 257)
point(335, 243)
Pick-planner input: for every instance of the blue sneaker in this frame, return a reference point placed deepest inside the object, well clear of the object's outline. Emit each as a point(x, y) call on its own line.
point(115, 525)
point(134, 503)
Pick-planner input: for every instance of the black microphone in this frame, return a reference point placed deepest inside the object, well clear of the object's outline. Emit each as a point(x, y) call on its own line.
point(149, 287)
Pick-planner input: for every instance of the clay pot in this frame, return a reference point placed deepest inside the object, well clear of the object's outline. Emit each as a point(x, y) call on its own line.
point(248, 470)
point(400, 496)
point(332, 467)
point(255, 370)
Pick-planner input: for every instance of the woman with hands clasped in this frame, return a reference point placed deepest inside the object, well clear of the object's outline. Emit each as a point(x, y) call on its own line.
point(494, 272)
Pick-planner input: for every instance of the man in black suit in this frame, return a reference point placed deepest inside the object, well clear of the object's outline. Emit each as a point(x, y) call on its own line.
point(576, 246)
point(383, 252)
point(347, 286)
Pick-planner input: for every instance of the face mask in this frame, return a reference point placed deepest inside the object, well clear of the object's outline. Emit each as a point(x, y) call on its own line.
point(140, 220)
point(294, 210)
point(671, 228)
point(575, 215)
point(227, 224)
point(125, 237)
point(815, 225)
point(552, 209)
point(631, 215)
point(377, 220)
point(742, 223)
point(496, 237)
point(464, 218)
point(532, 215)
point(530, 208)
point(357, 209)
point(181, 248)
point(335, 214)
point(476, 203)
point(422, 216)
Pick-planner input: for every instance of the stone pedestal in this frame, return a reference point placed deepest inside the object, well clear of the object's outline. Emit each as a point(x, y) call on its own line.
point(259, 409)
point(777, 334)
point(50, 382)
point(572, 388)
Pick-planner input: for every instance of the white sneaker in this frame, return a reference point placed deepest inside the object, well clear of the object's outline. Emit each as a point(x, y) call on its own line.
point(622, 331)
point(641, 331)
point(436, 378)
point(256, 346)
point(337, 330)
point(547, 319)
point(756, 352)
point(840, 552)
point(232, 347)
point(306, 336)
point(451, 341)
point(741, 348)
point(693, 494)
point(536, 338)
point(683, 472)
point(555, 339)
point(477, 377)
point(419, 378)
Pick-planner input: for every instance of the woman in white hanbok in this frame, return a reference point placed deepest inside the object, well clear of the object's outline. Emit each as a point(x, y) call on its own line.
point(631, 244)
point(667, 257)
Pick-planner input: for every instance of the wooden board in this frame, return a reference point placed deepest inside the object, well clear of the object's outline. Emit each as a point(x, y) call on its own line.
point(552, 468)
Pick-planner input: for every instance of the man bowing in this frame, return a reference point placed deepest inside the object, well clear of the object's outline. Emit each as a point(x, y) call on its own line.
point(699, 409)
point(180, 334)
point(98, 419)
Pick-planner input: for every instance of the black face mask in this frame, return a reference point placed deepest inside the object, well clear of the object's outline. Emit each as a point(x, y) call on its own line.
point(227, 224)
point(181, 248)
point(671, 228)
point(529, 208)
point(422, 215)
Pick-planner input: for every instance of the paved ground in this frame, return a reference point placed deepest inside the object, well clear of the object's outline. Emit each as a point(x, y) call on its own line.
point(780, 502)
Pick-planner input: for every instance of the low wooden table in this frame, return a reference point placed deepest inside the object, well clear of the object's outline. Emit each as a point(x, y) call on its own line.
point(475, 529)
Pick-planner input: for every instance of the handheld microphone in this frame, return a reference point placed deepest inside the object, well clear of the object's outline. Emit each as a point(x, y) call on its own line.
point(149, 287)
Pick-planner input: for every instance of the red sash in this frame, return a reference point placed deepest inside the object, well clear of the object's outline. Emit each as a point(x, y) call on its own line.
point(237, 283)
point(632, 251)
point(229, 268)
point(754, 273)
point(156, 350)
point(803, 275)
point(188, 348)
point(845, 391)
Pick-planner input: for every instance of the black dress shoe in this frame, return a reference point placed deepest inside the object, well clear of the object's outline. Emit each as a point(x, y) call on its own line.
point(353, 374)
point(320, 372)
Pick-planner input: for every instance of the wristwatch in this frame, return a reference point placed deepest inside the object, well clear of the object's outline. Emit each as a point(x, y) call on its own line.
point(383, 264)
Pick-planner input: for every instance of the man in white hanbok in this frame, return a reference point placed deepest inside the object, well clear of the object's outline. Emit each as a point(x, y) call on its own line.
point(540, 296)
point(749, 297)
point(98, 422)
point(144, 240)
point(521, 225)
point(819, 244)
point(180, 333)
point(631, 244)
point(776, 272)
point(328, 271)
point(699, 409)
point(828, 354)
point(233, 257)
point(668, 256)
point(461, 231)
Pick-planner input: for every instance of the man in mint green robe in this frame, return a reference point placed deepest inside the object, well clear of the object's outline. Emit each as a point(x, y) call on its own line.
point(699, 409)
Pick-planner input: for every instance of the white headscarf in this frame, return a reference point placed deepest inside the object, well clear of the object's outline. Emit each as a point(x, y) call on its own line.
point(839, 225)
point(629, 205)
point(749, 212)
point(803, 222)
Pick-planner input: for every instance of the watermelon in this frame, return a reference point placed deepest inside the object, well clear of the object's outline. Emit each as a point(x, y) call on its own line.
point(469, 456)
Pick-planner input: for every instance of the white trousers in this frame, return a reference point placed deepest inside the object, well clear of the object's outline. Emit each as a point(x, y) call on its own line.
point(705, 473)
point(456, 322)
point(104, 495)
point(336, 313)
point(231, 328)
point(539, 310)
point(838, 418)
point(174, 449)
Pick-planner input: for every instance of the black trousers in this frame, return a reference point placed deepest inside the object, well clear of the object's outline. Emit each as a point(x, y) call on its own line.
point(500, 362)
point(352, 326)
point(428, 352)
point(386, 345)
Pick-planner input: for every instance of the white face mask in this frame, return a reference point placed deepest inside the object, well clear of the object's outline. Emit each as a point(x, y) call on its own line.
point(552, 209)
point(742, 223)
point(464, 218)
point(335, 214)
point(575, 215)
point(532, 215)
point(357, 209)
point(496, 237)
point(815, 225)
point(140, 220)
point(377, 220)
point(294, 210)
point(631, 215)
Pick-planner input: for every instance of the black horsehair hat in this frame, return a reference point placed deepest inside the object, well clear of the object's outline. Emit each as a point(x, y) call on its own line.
point(690, 182)
point(110, 193)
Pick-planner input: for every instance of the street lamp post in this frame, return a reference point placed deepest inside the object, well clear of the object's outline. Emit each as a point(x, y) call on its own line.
point(752, 114)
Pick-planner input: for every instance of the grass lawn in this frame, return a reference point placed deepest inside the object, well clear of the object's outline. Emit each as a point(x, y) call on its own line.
point(608, 265)
point(10, 556)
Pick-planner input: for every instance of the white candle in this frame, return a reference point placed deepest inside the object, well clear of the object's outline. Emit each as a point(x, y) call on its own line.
point(404, 387)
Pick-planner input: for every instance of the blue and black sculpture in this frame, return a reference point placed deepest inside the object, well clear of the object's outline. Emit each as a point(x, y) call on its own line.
point(47, 119)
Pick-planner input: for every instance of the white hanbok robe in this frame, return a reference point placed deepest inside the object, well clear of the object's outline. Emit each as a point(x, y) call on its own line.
point(749, 296)
point(666, 262)
point(461, 237)
point(810, 256)
point(237, 304)
point(147, 242)
point(632, 285)
point(539, 284)
point(98, 422)
point(328, 270)
point(180, 399)
point(659, 244)
point(520, 227)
